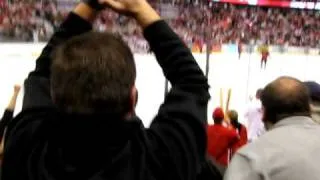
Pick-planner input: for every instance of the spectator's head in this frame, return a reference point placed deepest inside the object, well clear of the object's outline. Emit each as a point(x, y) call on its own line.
point(282, 98)
point(94, 73)
point(233, 115)
point(218, 115)
point(314, 89)
point(258, 93)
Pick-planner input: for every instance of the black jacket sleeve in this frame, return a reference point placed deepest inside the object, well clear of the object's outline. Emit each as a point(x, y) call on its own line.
point(179, 127)
point(6, 118)
point(37, 85)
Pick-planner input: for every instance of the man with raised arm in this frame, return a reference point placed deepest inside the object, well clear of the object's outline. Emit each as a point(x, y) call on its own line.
point(78, 117)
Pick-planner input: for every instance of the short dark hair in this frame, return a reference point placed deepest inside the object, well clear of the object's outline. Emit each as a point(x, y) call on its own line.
point(93, 73)
point(285, 97)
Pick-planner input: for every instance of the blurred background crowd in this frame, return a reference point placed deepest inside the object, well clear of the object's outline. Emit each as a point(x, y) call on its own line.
point(197, 22)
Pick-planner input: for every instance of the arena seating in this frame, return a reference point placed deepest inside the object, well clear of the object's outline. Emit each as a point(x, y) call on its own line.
point(196, 22)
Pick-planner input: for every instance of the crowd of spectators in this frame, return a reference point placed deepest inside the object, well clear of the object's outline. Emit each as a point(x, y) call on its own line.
point(28, 20)
point(226, 23)
point(196, 22)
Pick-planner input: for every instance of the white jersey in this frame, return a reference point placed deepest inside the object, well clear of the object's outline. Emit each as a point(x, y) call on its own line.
point(254, 117)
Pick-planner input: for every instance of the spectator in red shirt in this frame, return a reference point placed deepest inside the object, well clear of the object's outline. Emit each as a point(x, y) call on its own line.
point(221, 139)
point(240, 128)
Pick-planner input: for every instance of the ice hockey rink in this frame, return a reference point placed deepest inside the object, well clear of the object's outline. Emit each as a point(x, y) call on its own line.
point(243, 76)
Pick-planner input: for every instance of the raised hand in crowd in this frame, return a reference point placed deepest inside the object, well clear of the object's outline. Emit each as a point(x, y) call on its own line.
point(7, 117)
point(8, 113)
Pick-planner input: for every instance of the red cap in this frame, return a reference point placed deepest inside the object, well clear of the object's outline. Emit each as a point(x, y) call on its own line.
point(218, 113)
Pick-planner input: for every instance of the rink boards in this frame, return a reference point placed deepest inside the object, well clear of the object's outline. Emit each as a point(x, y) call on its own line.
point(226, 71)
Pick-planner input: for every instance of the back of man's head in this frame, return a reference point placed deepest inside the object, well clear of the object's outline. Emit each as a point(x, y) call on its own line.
point(285, 97)
point(94, 73)
point(218, 115)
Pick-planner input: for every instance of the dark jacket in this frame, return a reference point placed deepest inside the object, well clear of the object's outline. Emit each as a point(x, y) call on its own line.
point(6, 118)
point(43, 143)
point(211, 170)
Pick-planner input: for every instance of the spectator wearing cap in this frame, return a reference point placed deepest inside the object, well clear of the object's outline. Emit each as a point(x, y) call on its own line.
point(220, 139)
point(289, 150)
point(314, 90)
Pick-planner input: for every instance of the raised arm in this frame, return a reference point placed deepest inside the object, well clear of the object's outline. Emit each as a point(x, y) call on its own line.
point(37, 85)
point(13, 101)
point(178, 131)
point(8, 113)
point(181, 120)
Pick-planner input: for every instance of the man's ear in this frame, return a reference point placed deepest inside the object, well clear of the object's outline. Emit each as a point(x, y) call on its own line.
point(264, 114)
point(266, 119)
point(133, 99)
point(137, 98)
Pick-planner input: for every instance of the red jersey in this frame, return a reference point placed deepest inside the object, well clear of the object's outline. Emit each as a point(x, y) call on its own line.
point(265, 54)
point(240, 47)
point(243, 138)
point(220, 142)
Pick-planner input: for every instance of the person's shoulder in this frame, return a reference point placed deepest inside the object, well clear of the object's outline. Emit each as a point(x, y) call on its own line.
point(34, 114)
point(211, 129)
point(230, 131)
point(265, 142)
point(30, 119)
point(268, 148)
point(253, 150)
point(243, 127)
